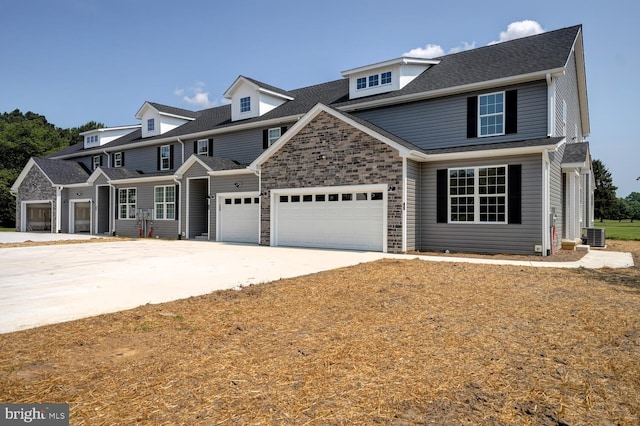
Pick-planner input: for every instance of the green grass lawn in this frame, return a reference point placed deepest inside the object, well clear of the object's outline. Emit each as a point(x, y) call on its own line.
point(624, 230)
point(7, 229)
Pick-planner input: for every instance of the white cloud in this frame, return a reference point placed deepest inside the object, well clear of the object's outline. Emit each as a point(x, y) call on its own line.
point(429, 51)
point(519, 29)
point(199, 97)
point(465, 46)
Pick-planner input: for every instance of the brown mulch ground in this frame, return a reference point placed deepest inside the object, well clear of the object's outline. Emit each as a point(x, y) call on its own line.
point(396, 342)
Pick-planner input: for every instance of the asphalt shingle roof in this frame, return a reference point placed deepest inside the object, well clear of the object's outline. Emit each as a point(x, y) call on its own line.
point(546, 51)
point(219, 163)
point(576, 152)
point(62, 172)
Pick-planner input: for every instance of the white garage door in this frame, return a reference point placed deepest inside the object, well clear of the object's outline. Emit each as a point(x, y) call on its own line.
point(335, 218)
point(238, 218)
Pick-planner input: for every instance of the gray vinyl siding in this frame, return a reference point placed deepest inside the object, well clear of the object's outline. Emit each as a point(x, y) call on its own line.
point(556, 192)
point(412, 205)
point(243, 146)
point(145, 200)
point(442, 122)
point(145, 158)
point(499, 238)
point(567, 91)
point(248, 182)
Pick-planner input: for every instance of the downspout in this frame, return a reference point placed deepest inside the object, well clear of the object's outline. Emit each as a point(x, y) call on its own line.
point(404, 204)
point(182, 144)
point(259, 174)
point(546, 226)
point(58, 209)
point(551, 98)
point(108, 158)
point(113, 197)
point(177, 181)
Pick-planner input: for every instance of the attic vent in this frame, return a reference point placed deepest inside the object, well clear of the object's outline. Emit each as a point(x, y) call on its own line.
point(594, 237)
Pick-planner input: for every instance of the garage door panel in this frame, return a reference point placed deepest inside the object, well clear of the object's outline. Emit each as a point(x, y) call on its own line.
point(348, 222)
point(239, 217)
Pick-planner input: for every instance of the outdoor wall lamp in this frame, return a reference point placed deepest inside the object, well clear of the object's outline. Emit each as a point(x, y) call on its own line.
point(78, 194)
point(238, 184)
point(322, 157)
point(392, 188)
point(211, 197)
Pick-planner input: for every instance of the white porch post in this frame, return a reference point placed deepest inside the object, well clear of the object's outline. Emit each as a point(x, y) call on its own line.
point(58, 209)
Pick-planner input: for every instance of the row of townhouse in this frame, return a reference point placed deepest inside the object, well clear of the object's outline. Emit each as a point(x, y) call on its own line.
point(481, 150)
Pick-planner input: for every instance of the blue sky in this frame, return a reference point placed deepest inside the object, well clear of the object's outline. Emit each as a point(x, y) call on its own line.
point(80, 60)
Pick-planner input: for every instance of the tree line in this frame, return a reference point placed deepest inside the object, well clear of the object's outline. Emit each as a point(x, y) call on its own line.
point(26, 135)
point(607, 205)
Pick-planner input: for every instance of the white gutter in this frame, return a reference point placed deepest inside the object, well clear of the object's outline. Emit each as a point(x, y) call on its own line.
point(231, 172)
point(108, 158)
point(494, 152)
point(142, 179)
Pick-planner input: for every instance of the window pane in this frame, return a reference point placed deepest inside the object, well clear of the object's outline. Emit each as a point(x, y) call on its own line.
point(307, 198)
point(333, 197)
point(347, 197)
point(376, 196)
point(320, 197)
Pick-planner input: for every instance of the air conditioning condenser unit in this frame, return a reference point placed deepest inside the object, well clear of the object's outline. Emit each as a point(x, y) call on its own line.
point(595, 237)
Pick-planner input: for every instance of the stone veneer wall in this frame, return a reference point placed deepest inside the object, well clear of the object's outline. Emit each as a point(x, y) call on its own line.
point(352, 158)
point(36, 187)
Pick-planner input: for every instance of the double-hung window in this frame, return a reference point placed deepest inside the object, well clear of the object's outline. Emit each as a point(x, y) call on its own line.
point(151, 125)
point(117, 159)
point(203, 147)
point(127, 203)
point(95, 162)
point(273, 135)
point(478, 194)
point(165, 202)
point(165, 157)
point(245, 104)
point(491, 114)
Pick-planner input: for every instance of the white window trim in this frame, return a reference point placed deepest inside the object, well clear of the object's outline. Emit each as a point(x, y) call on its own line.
point(205, 143)
point(376, 86)
point(168, 157)
point(503, 113)
point(129, 205)
point(151, 125)
point(245, 111)
point(95, 162)
point(271, 140)
point(117, 159)
point(164, 203)
point(477, 195)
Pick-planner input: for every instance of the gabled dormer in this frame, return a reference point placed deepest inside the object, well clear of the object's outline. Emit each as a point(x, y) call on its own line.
point(98, 137)
point(387, 76)
point(251, 98)
point(158, 119)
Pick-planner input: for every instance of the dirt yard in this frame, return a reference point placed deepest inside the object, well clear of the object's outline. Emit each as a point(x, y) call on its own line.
point(391, 342)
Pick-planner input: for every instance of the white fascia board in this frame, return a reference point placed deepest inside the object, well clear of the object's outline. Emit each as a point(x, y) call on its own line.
point(96, 174)
point(276, 94)
point(187, 165)
point(231, 172)
point(313, 113)
point(142, 179)
point(23, 174)
point(524, 78)
point(77, 185)
point(182, 117)
point(581, 78)
point(106, 129)
point(466, 155)
point(403, 60)
point(144, 106)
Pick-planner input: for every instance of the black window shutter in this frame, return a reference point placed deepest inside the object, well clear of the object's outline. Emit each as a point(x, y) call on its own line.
point(122, 158)
point(171, 157)
point(177, 198)
point(195, 147)
point(101, 160)
point(515, 193)
point(158, 162)
point(211, 147)
point(282, 130)
point(441, 196)
point(511, 112)
point(113, 159)
point(472, 117)
point(265, 138)
point(117, 202)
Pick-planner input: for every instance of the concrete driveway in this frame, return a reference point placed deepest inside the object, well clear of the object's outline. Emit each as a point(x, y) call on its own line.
point(49, 284)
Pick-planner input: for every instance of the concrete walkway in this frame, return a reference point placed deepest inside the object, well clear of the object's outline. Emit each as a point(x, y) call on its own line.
point(48, 284)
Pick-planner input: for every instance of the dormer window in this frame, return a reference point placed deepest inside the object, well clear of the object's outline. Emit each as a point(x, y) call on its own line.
point(385, 77)
point(151, 125)
point(362, 83)
point(245, 104)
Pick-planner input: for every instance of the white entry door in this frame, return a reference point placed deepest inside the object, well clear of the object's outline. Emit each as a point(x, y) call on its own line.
point(334, 217)
point(238, 217)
